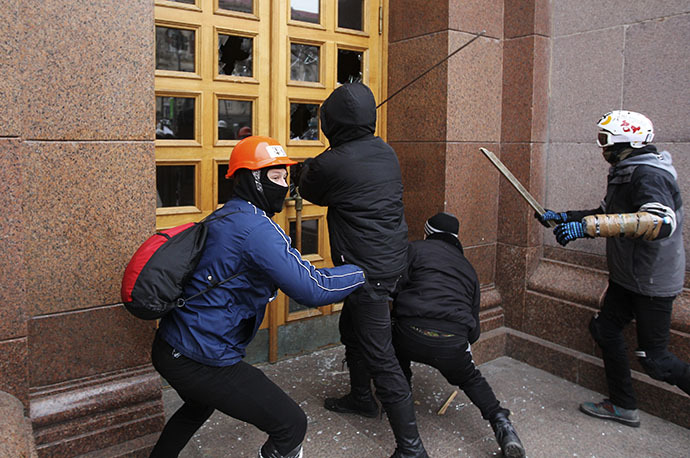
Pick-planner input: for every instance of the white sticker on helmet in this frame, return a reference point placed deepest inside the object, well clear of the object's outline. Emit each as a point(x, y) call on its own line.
point(275, 151)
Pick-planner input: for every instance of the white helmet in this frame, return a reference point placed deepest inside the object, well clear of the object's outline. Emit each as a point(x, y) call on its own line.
point(622, 126)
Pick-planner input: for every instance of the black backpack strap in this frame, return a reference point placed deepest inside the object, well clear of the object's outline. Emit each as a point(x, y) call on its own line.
point(182, 301)
point(208, 219)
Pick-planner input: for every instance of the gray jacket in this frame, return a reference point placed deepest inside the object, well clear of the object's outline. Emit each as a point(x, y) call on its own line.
point(655, 267)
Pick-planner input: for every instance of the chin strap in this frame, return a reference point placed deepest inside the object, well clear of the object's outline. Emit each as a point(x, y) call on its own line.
point(633, 225)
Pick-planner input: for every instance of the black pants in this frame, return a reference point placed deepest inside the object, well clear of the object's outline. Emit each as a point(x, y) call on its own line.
point(365, 330)
point(653, 319)
point(452, 357)
point(241, 391)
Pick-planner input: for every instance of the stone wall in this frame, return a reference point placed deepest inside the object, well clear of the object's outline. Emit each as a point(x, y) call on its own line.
point(77, 173)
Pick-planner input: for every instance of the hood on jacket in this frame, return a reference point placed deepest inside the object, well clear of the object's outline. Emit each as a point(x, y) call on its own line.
point(648, 156)
point(348, 113)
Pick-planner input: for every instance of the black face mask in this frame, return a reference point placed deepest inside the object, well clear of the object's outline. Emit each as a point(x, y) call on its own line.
point(618, 152)
point(255, 187)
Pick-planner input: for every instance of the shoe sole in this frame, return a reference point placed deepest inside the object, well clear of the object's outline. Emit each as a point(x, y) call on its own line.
point(631, 423)
point(514, 450)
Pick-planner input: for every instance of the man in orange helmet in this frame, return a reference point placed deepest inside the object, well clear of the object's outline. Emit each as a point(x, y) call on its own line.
point(199, 348)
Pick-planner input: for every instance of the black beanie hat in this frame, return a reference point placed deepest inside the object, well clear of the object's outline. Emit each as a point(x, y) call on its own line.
point(442, 222)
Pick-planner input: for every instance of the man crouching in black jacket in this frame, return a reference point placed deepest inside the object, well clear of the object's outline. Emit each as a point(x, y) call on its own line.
point(436, 318)
point(359, 179)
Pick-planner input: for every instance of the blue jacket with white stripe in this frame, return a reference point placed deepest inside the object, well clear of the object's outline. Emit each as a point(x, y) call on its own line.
point(215, 328)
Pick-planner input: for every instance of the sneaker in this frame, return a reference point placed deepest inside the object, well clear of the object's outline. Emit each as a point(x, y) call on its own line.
point(349, 404)
point(607, 410)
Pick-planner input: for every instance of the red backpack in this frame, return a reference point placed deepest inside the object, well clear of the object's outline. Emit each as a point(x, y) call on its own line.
point(155, 277)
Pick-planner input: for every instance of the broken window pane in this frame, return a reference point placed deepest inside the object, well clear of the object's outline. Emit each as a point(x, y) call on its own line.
point(243, 6)
point(235, 55)
point(174, 49)
point(175, 185)
point(310, 235)
point(304, 62)
point(350, 14)
point(349, 66)
point(234, 119)
point(305, 11)
point(304, 121)
point(224, 188)
point(175, 117)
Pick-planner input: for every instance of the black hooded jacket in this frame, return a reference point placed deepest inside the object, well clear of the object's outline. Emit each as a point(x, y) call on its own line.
point(440, 290)
point(359, 179)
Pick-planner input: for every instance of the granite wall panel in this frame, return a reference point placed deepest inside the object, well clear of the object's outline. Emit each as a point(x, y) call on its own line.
point(585, 83)
point(14, 371)
point(419, 112)
point(514, 265)
point(560, 322)
point(526, 17)
point(476, 15)
point(518, 79)
point(483, 259)
point(91, 75)
point(471, 190)
point(655, 80)
point(413, 18)
point(423, 168)
point(12, 263)
point(572, 17)
point(88, 206)
point(85, 343)
point(10, 50)
point(474, 90)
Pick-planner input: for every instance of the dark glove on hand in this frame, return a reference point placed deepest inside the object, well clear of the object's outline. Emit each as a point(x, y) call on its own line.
point(550, 215)
point(567, 232)
point(295, 174)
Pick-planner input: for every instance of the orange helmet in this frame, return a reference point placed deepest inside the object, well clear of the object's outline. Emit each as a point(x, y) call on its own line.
point(255, 153)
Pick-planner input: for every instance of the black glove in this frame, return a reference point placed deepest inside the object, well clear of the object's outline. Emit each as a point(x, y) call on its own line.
point(550, 215)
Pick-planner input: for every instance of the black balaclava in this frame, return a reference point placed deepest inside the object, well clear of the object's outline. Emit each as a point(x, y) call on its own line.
point(255, 187)
point(621, 151)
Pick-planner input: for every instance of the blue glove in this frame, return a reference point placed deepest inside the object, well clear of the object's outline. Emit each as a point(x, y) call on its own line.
point(550, 215)
point(567, 232)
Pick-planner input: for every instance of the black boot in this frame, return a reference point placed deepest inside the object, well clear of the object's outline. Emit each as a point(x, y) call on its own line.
point(402, 419)
point(684, 382)
point(351, 403)
point(360, 400)
point(506, 436)
point(268, 450)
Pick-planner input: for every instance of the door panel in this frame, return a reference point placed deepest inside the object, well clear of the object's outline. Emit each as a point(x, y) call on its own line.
point(230, 68)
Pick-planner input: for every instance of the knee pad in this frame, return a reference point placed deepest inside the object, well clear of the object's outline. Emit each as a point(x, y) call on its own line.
point(659, 366)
